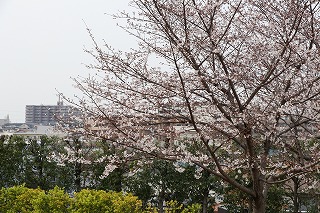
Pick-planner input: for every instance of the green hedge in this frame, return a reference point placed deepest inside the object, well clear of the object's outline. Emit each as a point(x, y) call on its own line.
point(96, 201)
point(25, 200)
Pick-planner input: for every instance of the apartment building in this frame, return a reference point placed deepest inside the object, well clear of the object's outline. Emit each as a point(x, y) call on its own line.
point(47, 115)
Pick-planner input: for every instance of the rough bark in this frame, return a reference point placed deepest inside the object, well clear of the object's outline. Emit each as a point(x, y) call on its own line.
point(295, 195)
point(259, 204)
point(160, 201)
point(77, 175)
point(205, 202)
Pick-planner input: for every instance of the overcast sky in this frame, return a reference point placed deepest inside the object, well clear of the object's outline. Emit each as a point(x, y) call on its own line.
point(41, 47)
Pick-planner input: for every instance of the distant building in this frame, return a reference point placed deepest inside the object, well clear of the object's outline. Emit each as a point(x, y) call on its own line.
point(47, 115)
point(10, 128)
point(4, 121)
point(29, 130)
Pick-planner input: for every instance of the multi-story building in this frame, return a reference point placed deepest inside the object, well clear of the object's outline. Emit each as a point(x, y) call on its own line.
point(47, 114)
point(4, 121)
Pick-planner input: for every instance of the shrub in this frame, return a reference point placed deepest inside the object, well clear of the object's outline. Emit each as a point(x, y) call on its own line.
point(194, 208)
point(24, 200)
point(18, 199)
point(126, 203)
point(91, 201)
point(107, 202)
point(173, 207)
point(55, 201)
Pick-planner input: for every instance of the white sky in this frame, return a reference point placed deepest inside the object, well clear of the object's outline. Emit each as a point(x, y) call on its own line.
point(41, 47)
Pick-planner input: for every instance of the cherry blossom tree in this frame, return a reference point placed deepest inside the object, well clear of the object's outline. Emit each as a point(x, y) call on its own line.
point(226, 85)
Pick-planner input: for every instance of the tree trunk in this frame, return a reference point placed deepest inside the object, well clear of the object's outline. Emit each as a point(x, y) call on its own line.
point(160, 201)
point(118, 179)
point(78, 165)
point(41, 166)
point(250, 204)
point(41, 175)
point(295, 195)
point(77, 174)
point(205, 202)
point(259, 204)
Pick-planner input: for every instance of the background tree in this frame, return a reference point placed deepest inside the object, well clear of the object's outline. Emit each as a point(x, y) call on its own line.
point(236, 201)
point(303, 193)
point(115, 180)
point(12, 160)
point(79, 154)
point(160, 182)
point(87, 156)
point(40, 170)
point(26, 160)
point(240, 76)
